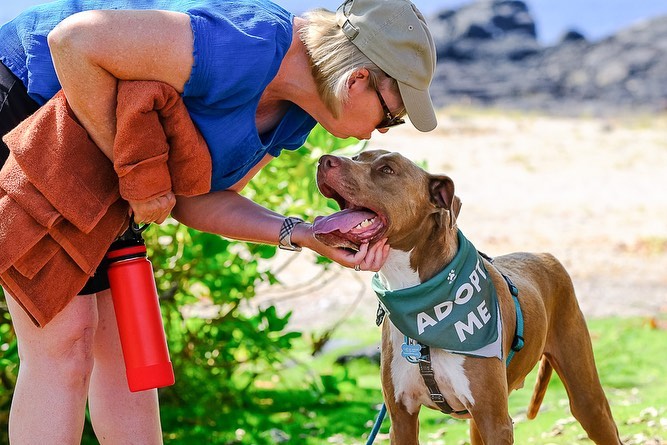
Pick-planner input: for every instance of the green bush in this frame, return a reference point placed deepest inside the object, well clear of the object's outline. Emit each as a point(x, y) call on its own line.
point(218, 343)
point(8, 367)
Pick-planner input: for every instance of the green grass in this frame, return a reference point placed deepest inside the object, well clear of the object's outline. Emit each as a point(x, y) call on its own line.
point(297, 406)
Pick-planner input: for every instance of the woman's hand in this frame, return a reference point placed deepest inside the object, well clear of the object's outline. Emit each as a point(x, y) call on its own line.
point(154, 210)
point(369, 257)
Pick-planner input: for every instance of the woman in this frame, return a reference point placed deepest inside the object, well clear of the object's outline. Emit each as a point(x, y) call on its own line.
point(255, 80)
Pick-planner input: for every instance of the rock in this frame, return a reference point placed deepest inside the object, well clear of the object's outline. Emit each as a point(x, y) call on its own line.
point(482, 28)
point(572, 36)
point(279, 436)
point(488, 54)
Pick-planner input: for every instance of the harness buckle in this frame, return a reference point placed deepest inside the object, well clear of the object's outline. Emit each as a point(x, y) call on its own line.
point(379, 315)
point(438, 398)
point(427, 372)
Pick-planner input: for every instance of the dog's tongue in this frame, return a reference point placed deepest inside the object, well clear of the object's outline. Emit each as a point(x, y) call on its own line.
point(343, 221)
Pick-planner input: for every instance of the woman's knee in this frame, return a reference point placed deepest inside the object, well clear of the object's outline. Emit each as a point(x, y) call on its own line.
point(64, 345)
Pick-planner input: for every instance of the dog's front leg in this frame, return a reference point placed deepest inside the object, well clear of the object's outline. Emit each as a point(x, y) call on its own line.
point(404, 426)
point(475, 438)
point(492, 432)
point(491, 423)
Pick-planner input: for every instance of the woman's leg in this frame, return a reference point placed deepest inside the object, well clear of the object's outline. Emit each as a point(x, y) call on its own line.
point(54, 373)
point(118, 415)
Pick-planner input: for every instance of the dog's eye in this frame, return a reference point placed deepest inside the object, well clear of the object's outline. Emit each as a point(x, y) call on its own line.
point(387, 170)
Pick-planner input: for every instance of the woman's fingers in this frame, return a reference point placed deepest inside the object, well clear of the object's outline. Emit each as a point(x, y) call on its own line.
point(371, 257)
point(155, 210)
point(381, 252)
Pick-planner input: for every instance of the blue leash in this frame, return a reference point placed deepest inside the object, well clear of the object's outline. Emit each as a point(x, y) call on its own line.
point(376, 426)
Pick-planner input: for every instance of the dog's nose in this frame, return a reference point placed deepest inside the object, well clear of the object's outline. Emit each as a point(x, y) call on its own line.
point(328, 161)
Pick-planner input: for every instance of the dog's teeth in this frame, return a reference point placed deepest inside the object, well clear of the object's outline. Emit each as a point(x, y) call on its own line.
point(365, 223)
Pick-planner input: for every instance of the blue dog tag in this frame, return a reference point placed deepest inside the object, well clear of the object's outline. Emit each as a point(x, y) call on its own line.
point(412, 352)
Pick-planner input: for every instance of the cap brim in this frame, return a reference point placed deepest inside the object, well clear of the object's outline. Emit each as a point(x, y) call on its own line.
point(419, 107)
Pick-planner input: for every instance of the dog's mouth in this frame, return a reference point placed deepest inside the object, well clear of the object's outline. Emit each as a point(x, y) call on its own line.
point(352, 226)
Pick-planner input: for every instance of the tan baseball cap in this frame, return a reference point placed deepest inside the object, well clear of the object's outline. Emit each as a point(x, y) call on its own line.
point(394, 35)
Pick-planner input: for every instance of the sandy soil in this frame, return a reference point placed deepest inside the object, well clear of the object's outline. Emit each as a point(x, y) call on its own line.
point(592, 192)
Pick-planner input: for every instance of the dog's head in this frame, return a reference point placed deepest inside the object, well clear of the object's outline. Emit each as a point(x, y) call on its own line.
point(383, 194)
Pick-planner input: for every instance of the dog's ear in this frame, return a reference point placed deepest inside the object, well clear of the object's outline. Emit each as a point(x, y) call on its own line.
point(441, 189)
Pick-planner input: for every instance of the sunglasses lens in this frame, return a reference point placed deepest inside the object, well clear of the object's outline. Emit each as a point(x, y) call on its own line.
point(389, 119)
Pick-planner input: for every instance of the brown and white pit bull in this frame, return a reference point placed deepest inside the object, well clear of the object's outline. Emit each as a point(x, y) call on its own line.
point(383, 194)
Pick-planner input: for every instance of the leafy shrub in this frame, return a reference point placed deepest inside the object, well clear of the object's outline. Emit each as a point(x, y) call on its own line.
point(218, 343)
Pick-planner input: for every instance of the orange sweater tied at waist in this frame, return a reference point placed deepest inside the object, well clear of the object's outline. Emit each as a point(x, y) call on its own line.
point(63, 202)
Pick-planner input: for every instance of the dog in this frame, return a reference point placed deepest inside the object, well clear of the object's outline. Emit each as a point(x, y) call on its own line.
point(384, 195)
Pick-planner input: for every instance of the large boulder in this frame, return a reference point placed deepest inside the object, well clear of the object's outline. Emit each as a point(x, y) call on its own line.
point(488, 54)
point(487, 28)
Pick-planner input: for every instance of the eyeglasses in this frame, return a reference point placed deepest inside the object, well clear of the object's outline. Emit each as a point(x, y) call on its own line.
point(389, 119)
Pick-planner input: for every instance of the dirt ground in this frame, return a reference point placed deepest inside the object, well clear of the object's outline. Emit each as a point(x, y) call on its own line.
point(591, 191)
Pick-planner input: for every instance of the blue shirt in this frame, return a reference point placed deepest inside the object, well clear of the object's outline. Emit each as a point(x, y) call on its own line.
point(238, 48)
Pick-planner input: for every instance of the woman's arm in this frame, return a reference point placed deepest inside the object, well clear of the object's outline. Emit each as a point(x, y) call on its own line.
point(91, 50)
point(229, 214)
point(233, 216)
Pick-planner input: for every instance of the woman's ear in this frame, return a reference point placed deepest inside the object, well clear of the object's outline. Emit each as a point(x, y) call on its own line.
point(359, 78)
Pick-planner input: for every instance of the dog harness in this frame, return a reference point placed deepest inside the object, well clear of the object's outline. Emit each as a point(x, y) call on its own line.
point(405, 316)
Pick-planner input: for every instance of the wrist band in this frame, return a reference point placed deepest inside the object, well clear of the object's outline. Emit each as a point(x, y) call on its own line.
point(285, 238)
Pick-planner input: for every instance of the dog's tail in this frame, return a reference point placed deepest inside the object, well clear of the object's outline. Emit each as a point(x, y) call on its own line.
point(543, 376)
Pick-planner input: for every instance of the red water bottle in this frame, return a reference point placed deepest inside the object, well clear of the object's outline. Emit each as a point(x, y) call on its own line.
point(135, 302)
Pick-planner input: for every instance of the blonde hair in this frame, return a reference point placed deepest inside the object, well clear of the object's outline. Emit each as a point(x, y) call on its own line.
point(334, 59)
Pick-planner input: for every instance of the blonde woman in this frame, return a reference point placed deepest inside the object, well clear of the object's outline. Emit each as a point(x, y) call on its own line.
point(255, 80)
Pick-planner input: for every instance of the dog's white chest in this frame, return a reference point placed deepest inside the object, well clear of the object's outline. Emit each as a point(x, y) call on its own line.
point(409, 387)
point(396, 272)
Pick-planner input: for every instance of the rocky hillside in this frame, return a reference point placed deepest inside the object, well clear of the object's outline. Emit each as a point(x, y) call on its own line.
point(488, 54)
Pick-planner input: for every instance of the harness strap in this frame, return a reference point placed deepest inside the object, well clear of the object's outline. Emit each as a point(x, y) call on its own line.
point(426, 370)
point(518, 342)
point(427, 374)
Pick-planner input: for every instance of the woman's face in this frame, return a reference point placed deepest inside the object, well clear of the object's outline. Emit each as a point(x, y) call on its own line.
point(363, 112)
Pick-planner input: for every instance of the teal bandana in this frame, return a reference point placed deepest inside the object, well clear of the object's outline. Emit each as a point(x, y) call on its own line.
point(456, 310)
